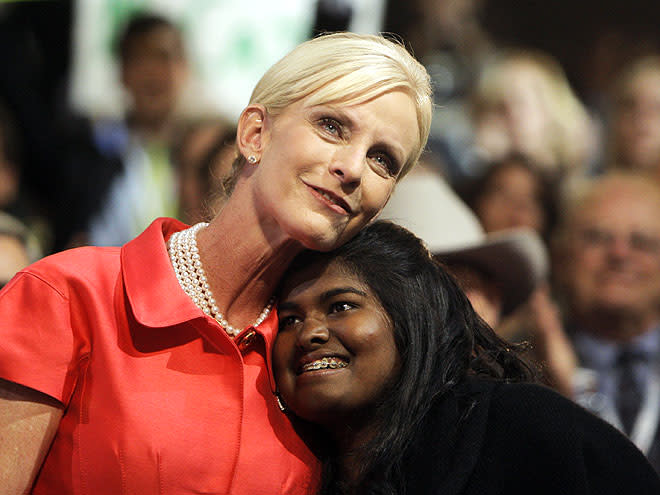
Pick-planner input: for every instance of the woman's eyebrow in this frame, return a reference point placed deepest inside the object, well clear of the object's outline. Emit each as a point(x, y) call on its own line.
point(343, 114)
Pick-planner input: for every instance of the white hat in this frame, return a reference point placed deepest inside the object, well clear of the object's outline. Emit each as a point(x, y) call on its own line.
point(426, 205)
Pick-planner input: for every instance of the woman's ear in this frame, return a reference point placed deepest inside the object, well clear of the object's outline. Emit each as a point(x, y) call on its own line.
point(250, 133)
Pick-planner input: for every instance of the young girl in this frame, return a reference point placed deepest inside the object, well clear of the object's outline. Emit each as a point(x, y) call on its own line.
point(413, 393)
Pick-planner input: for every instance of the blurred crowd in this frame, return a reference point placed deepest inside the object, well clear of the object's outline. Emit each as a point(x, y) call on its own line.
point(544, 207)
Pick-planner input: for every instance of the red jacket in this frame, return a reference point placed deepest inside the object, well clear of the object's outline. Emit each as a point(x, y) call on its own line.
point(159, 400)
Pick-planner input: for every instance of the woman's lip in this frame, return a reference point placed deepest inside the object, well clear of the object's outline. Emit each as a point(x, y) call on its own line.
point(334, 202)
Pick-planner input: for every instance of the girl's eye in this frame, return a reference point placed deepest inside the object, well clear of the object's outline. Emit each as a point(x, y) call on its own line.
point(340, 307)
point(288, 321)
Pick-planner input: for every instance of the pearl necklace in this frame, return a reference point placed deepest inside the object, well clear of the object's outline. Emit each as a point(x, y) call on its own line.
point(184, 255)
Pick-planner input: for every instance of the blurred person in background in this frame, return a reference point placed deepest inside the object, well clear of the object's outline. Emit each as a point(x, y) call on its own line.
point(449, 39)
point(15, 199)
point(607, 270)
point(498, 272)
point(17, 247)
point(504, 273)
point(634, 121)
point(143, 185)
point(10, 173)
point(203, 156)
point(511, 193)
point(522, 103)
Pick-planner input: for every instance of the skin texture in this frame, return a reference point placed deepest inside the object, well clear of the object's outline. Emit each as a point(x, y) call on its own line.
point(326, 311)
point(28, 422)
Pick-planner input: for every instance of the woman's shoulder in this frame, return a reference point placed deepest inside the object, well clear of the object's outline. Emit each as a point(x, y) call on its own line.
point(74, 267)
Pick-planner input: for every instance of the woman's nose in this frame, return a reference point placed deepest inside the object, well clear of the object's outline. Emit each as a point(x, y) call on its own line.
point(349, 166)
point(312, 334)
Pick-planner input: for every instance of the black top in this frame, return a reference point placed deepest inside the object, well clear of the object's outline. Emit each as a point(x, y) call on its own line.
point(521, 438)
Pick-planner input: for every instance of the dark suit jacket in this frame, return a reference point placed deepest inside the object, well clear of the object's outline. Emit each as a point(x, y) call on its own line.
point(494, 438)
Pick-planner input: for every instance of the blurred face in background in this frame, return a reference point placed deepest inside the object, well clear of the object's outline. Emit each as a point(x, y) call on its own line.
point(516, 120)
point(482, 291)
point(204, 159)
point(612, 261)
point(511, 198)
point(154, 71)
point(637, 123)
point(9, 177)
point(13, 257)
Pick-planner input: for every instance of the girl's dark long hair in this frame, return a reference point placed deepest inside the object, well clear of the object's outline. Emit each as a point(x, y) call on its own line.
point(440, 339)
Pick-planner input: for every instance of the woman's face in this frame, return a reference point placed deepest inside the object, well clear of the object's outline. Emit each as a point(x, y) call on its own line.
point(637, 127)
point(517, 122)
point(511, 199)
point(335, 352)
point(326, 170)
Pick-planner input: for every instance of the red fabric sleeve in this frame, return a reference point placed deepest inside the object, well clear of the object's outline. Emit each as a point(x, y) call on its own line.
point(37, 344)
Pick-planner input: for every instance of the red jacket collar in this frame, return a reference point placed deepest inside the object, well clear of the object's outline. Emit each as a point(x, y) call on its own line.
point(154, 293)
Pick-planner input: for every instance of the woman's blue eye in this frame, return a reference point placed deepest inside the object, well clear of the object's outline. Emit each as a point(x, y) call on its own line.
point(386, 163)
point(331, 125)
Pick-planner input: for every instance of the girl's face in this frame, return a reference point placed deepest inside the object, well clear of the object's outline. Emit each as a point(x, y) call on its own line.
point(327, 170)
point(335, 352)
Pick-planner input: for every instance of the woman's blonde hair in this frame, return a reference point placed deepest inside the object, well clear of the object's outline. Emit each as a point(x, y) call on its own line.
point(568, 117)
point(344, 68)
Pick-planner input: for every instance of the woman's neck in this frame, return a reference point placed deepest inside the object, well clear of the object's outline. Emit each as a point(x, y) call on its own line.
point(244, 259)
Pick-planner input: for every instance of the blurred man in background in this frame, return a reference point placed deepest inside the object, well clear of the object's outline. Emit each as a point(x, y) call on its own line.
point(139, 183)
point(607, 257)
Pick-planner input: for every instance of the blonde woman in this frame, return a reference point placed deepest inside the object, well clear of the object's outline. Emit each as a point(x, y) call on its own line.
point(522, 103)
point(145, 369)
point(634, 138)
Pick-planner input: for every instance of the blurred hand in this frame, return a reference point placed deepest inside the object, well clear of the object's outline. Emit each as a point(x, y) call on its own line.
point(551, 345)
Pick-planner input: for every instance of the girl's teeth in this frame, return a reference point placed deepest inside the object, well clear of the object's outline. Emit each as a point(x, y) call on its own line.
point(324, 363)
